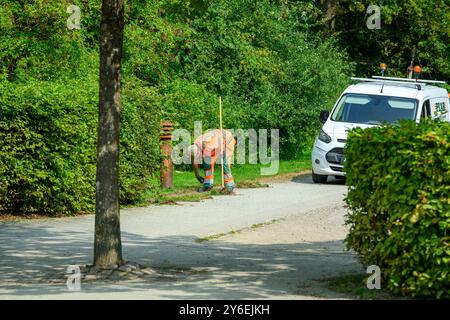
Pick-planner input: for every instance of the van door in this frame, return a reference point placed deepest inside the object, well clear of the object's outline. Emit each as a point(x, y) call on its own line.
point(425, 113)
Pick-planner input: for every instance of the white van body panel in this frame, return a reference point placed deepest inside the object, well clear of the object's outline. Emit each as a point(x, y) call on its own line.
point(437, 98)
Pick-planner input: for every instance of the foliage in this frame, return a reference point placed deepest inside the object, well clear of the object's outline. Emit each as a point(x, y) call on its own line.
point(270, 72)
point(274, 63)
point(420, 24)
point(48, 151)
point(47, 154)
point(139, 141)
point(185, 102)
point(35, 41)
point(399, 182)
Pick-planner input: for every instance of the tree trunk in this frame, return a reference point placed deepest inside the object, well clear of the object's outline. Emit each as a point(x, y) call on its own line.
point(107, 243)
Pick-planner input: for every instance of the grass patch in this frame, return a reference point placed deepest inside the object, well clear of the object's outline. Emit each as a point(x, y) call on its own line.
point(186, 197)
point(216, 236)
point(245, 175)
point(253, 184)
point(209, 238)
point(356, 286)
point(259, 225)
point(220, 235)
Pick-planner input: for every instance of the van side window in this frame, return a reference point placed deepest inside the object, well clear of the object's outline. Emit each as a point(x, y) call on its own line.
point(426, 110)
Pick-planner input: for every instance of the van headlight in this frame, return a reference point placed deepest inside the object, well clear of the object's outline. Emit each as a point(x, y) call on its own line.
point(324, 137)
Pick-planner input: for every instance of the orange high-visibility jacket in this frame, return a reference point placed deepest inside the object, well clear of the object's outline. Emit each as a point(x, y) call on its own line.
point(209, 144)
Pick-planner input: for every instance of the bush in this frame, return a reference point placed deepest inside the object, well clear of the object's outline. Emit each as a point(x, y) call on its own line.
point(184, 102)
point(139, 141)
point(399, 217)
point(48, 145)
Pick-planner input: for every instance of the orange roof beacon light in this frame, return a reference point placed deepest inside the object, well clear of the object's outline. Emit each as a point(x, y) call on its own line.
point(383, 68)
point(417, 71)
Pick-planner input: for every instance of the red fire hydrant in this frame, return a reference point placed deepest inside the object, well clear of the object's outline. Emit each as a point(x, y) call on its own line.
point(166, 170)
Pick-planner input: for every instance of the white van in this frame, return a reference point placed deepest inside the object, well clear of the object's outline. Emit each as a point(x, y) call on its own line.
point(368, 103)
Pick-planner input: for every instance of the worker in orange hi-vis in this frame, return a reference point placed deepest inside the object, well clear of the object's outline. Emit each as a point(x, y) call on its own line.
point(206, 150)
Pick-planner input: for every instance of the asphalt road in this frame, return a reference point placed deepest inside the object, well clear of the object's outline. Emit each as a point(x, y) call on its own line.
point(283, 260)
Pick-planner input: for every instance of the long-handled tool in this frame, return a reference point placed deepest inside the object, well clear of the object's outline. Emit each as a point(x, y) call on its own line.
point(222, 152)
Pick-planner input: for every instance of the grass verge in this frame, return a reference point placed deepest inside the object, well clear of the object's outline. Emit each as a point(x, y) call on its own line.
point(355, 286)
point(245, 175)
point(216, 236)
point(220, 235)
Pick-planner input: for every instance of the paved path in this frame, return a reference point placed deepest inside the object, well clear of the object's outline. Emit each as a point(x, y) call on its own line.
point(279, 261)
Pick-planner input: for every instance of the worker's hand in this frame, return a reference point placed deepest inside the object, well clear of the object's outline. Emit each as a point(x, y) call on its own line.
point(200, 179)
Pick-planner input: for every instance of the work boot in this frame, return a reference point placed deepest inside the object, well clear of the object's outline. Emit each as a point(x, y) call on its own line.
point(204, 189)
point(228, 191)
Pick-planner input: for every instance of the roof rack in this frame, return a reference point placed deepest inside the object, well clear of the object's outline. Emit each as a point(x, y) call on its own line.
point(409, 80)
point(383, 81)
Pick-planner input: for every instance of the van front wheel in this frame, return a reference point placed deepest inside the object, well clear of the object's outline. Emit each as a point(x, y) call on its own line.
point(318, 178)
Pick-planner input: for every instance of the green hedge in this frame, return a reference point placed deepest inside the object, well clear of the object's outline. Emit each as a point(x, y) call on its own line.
point(48, 145)
point(399, 205)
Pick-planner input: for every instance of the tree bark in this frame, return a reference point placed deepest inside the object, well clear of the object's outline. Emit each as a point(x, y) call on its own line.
point(107, 243)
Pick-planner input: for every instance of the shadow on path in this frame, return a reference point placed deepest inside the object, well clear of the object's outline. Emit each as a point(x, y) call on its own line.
point(307, 179)
point(30, 254)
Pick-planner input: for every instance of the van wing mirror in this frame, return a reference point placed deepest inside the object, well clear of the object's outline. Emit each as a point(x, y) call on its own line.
point(324, 114)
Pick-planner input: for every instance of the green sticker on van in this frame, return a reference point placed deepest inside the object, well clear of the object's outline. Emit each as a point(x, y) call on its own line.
point(440, 107)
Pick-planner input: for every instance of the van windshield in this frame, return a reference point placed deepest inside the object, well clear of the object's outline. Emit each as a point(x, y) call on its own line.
point(374, 109)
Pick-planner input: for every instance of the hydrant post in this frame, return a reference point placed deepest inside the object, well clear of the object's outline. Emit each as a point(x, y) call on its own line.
point(166, 169)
